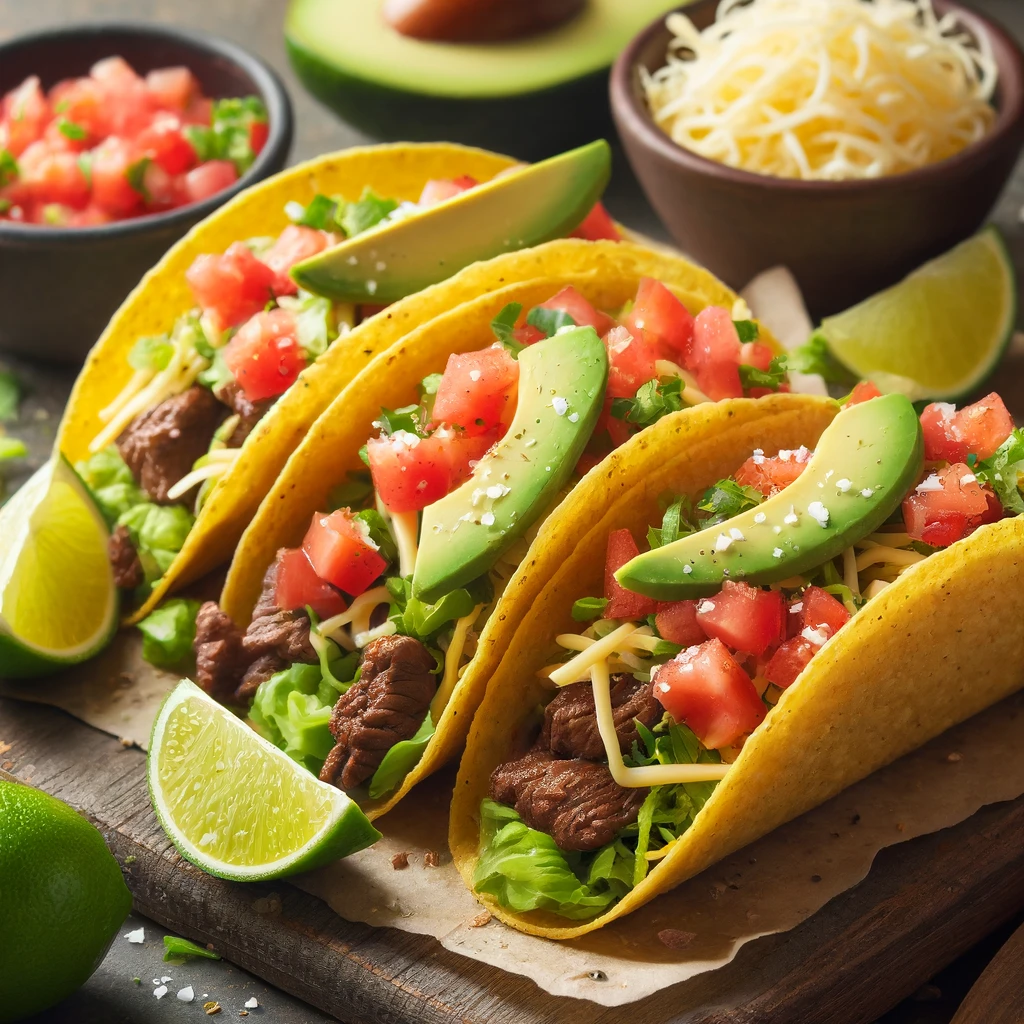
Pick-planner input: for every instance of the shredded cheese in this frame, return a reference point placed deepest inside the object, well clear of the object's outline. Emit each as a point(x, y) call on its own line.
point(452, 663)
point(358, 613)
point(850, 570)
point(599, 651)
point(366, 636)
point(213, 466)
point(824, 89)
point(648, 775)
point(886, 555)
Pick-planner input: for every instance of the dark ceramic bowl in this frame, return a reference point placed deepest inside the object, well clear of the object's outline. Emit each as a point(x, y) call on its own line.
point(60, 286)
point(842, 240)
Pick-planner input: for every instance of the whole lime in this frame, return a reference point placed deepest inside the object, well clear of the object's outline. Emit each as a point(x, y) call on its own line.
point(62, 900)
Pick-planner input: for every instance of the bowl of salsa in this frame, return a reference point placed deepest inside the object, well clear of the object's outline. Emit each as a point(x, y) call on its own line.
point(114, 140)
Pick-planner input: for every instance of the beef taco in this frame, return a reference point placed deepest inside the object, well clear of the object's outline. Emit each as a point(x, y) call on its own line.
point(821, 592)
point(215, 366)
point(370, 598)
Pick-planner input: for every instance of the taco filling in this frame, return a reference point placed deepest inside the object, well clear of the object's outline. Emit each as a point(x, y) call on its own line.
point(200, 390)
point(361, 635)
point(654, 699)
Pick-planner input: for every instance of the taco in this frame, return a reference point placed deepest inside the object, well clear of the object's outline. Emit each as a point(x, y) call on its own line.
point(370, 598)
point(215, 366)
point(824, 591)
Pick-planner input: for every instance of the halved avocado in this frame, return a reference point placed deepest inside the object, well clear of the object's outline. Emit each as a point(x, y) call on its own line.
point(531, 97)
point(513, 211)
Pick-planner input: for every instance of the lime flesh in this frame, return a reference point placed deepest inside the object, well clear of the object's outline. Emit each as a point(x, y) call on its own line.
point(940, 331)
point(58, 601)
point(235, 805)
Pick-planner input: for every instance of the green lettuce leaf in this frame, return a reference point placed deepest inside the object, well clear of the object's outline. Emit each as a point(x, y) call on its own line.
point(366, 213)
point(1002, 471)
point(550, 321)
point(401, 759)
point(288, 710)
point(152, 352)
point(168, 633)
point(747, 330)
point(111, 483)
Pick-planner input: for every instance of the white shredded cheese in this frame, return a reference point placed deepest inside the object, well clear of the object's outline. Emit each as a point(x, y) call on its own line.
point(824, 89)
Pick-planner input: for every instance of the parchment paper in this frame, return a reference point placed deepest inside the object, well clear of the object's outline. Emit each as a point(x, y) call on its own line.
point(769, 887)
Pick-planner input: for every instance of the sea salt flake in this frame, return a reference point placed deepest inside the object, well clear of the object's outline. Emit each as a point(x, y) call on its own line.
point(251, 1004)
point(758, 457)
point(186, 994)
point(760, 517)
point(475, 375)
point(371, 287)
point(791, 518)
point(574, 417)
point(687, 569)
point(705, 606)
point(723, 543)
point(487, 519)
point(843, 485)
point(560, 405)
point(819, 513)
point(815, 636)
point(160, 992)
point(777, 553)
point(776, 529)
point(497, 491)
point(968, 478)
point(138, 936)
point(867, 492)
point(930, 483)
point(736, 533)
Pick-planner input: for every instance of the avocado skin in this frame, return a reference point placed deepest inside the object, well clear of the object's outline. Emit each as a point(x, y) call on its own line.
point(889, 425)
point(529, 126)
point(534, 459)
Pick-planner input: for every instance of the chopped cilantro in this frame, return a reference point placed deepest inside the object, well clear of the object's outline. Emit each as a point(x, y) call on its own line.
point(747, 330)
point(364, 456)
point(726, 500)
point(351, 494)
point(408, 418)
point(367, 213)
point(676, 522)
point(504, 324)
point(816, 357)
point(752, 377)
point(136, 175)
point(550, 321)
point(10, 396)
point(587, 608)
point(11, 448)
point(70, 130)
point(85, 165)
point(175, 947)
point(379, 533)
point(654, 399)
point(8, 167)
point(321, 213)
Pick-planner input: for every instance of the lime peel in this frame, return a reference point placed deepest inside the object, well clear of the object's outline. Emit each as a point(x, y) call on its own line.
point(941, 330)
point(234, 804)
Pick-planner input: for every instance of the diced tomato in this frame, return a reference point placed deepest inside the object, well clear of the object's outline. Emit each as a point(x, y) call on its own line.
point(598, 225)
point(437, 190)
point(265, 355)
point(753, 353)
point(948, 505)
point(172, 88)
point(160, 190)
point(298, 585)
point(465, 451)
point(568, 300)
point(25, 113)
point(715, 357)
point(789, 661)
point(820, 608)
point(233, 285)
point(411, 472)
point(112, 162)
point(259, 132)
point(199, 111)
point(210, 178)
point(863, 391)
point(90, 217)
point(706, 689)
point(82, 102)
point(665, 321)
point(676, 622)
point(744, 617)
point(527, 334)
point(340, 550)
point(774, 473)
point(630, 362)
point(295, 244)
point(56, 178)
point(164, 141)
point(477, 390)
point(623, 603)
point(618, 430)
point(128, 106)
point(949, 436)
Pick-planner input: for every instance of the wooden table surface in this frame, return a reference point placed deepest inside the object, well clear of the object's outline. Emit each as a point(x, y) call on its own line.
point(256, 25)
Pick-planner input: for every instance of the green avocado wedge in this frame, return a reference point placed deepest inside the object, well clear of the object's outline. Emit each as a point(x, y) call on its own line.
point(561, 390)
point(865, 462)
point(514, 211)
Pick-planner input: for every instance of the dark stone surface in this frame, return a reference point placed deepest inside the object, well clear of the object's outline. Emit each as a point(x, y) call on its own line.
point(112, 997)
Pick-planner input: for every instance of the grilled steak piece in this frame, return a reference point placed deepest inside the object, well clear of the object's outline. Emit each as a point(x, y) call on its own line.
point(249, 413)
point(124, 560)
point(384, 706)
point(576, 802)
point(570, 721)
point(258, 672)
point(160, 446)
point(220, 659)
point(275, 631)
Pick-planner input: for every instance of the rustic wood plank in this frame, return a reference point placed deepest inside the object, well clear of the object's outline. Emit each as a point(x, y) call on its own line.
point(998, 995)
point(925, 902)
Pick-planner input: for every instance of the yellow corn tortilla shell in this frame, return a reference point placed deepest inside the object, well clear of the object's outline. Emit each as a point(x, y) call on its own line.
point(937, 646)
point(606, 273)
point(394, 171)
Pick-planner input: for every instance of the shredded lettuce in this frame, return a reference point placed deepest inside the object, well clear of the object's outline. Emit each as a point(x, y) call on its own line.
point(168, 633)
point(227, 136)
point(288, 711)
point(158, 533)
point(151, 352)
point(111, 483)
point(321, 213)
point(524, 870)
point(415, 618)
point(315, 323)
point(366, 213)
point(401, 759)
point(1003, 470)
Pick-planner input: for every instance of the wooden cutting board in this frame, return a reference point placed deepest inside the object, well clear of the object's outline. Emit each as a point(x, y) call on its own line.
point(924, 903)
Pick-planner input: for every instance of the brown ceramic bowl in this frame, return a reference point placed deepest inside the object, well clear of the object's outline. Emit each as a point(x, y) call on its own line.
point(842, 240)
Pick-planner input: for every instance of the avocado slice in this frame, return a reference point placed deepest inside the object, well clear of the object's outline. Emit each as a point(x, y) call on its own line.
point(530, 97)
point(561, 391)
point(517, 210)
point(865, 462)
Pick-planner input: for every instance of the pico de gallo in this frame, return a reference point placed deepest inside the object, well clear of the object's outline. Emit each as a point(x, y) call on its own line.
point(347, 591)
point(198, 392)
point(114, 145)
point(570, 830)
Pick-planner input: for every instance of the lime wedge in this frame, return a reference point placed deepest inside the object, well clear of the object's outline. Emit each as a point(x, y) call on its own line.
point(58, 602)
point(941, 330)
point(235, 805)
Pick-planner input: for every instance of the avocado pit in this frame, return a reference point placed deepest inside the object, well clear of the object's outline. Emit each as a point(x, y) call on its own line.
point(477, 21)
